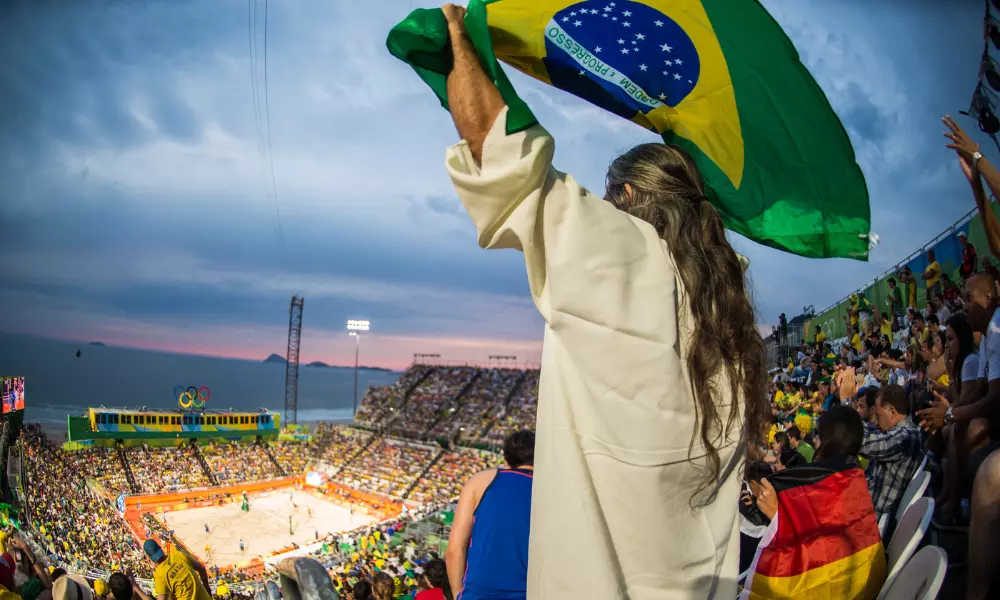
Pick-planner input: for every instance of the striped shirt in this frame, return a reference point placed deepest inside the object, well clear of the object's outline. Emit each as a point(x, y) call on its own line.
point(895, 456)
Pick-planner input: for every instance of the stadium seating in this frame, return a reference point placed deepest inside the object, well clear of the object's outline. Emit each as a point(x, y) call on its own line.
point(380, 402)
point(519, 414)
point(159, 470)
point(431, 400)
point(478, 406)
point(444, 479)
point(239, 463)
point(387, 467)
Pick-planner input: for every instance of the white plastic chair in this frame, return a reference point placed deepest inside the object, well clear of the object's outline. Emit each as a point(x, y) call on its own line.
point(909, 532)
point(921, 578)
point(883, 524)
point(914, 490)
point(920, 469)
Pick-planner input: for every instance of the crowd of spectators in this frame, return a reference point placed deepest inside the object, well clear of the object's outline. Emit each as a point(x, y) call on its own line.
point(334, 445)
point(239, 463)
point(431, 400)
point(103, 465)
point(293, 457)
point(443, 481)
point(73, 524)
point(478, 406)
point(379, 403)
point(923, 378)
point(387, 467)
point(170, 469)
point(519, 414)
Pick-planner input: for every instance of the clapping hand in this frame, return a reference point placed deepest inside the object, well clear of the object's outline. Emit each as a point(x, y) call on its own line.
point(963, 145)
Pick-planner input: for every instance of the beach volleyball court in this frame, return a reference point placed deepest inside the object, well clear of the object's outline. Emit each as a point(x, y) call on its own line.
point(263, 529)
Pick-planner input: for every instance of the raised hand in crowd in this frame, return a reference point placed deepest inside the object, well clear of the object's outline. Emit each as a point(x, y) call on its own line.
point(977, 169)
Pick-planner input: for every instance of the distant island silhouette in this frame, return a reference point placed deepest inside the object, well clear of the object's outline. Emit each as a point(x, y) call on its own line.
point(101, 344)
point(277, 358)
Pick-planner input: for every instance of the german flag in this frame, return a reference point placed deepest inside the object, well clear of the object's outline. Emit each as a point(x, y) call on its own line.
point(824, 543)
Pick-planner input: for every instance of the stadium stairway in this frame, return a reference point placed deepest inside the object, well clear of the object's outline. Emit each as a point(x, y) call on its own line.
point(454, 402)
point(386, 426)
point(204, 464)
point(427, 469)
point(513, 392)
point(277, 466)
point(126, 467)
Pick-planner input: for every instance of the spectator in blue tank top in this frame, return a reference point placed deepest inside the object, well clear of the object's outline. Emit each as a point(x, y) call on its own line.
point(487, 556)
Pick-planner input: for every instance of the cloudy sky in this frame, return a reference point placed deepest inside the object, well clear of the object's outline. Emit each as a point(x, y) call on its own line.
point(136, 199)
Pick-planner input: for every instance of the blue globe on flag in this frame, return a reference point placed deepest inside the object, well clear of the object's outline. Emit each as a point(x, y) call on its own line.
point(626, 57)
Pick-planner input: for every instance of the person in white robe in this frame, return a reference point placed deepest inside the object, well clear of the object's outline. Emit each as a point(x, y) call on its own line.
point(626, 502)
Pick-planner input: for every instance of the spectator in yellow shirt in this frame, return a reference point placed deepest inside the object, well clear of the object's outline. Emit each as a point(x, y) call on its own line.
point(178, 575)
point(820, 336)
point(932, 275)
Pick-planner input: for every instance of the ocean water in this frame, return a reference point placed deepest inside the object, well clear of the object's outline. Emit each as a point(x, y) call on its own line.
point(57, 383)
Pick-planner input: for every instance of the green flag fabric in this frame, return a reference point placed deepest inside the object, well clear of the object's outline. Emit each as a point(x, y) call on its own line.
point(719, 78)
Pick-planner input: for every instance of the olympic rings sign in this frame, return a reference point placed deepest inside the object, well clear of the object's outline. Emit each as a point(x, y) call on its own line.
point(192, 397)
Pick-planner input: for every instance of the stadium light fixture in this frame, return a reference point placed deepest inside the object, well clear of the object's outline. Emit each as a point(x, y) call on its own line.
point(358, 325)
point(354, 329)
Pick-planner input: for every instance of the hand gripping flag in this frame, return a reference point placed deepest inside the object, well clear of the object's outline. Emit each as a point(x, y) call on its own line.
point(718, 78)
point(824, 542)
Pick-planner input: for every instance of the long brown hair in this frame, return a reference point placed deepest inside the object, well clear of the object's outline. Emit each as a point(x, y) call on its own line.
point(668, 192)
point(383, 586)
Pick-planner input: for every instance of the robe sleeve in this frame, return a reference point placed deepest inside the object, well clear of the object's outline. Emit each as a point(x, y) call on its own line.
point(516, 199)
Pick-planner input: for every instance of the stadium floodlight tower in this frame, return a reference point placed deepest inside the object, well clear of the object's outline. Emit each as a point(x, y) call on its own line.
point(355, 328)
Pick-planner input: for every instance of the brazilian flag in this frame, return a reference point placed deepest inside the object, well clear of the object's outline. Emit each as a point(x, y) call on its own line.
point(718, 78)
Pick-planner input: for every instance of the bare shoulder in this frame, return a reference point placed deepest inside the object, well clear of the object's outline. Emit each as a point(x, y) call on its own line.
point(480, 481)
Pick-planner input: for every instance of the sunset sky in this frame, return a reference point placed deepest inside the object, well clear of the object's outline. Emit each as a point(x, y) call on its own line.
point(136, 198)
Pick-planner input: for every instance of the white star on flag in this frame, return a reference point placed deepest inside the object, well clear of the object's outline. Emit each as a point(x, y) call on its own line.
point(577, 23)
point(659, 23)
point(593, 11)
point(565, 19)
point(621, 41)
point(666, 48)
point(627, 24)
point(642, 67)
point(624, 50)
point(597, 49)
point(663, 96)
point(640, 36)
point(614, 18)
point(627, 13)
point(572, 14)
point(679, 61)
point(607, 9)
point(580, 73)
point(605, 15)
point(669, 63)
point(666, 74)
point(677, 75)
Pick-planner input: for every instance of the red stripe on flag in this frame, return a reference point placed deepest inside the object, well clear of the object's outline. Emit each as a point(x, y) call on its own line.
point(820, 523)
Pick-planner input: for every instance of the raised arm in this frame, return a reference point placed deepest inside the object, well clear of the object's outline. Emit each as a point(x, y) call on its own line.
point(473, 98)
point(977, 171)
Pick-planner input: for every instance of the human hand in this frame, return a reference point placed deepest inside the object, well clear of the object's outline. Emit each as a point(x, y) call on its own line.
point(961, 142)
point(932, 419)
point(455, 15)
point(767, 499)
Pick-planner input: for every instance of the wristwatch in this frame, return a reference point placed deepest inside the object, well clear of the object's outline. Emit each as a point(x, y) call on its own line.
point(948, 417)
point(976, 156)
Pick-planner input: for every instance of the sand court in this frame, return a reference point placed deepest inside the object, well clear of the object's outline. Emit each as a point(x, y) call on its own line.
point(264, 529)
